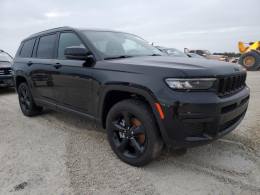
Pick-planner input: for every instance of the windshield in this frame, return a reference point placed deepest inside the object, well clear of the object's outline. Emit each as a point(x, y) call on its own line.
point(5, 57)
point(115, 44)
point(207, 52)
point(196, 56)
point(175, 53)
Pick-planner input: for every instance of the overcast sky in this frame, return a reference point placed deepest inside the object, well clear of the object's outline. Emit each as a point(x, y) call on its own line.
point(216, 25)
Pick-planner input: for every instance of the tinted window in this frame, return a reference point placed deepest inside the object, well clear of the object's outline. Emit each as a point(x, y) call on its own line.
point(68, 40)
point(27, 49)
point(199, 52)
point(46, 46)
point(192, 51)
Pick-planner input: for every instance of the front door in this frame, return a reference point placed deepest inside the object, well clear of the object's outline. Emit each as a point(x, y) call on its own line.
point(72, 80)
point(201, 53)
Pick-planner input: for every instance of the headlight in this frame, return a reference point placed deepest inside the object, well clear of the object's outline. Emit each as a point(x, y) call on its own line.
point(222, 58)
point(190, 83)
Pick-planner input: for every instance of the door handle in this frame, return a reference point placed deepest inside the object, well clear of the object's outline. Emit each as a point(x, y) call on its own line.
point(29, 63)
point(57, 65)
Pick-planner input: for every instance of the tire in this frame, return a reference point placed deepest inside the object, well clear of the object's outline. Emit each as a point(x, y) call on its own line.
point(252, 55)
point(26, 101)
point(138, 116)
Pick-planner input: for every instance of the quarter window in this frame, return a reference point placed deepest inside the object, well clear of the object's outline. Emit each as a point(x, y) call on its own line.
point(68, 40)
point(27, 48)
point(46, 46)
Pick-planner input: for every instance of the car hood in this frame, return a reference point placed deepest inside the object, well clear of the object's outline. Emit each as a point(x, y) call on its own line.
point(5, 64)
point(190, 66)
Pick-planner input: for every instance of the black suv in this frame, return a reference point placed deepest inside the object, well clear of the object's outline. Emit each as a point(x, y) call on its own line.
point(143, 99)
point(6, 78)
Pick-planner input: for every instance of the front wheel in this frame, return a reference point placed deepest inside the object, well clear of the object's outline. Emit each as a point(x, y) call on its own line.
point(133, 132)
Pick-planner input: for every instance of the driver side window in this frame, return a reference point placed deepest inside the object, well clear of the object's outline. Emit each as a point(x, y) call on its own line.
point(68, 40)
point(199, 52)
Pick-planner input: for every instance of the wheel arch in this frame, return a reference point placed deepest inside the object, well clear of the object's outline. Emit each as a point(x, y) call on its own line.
point(19, 79)
point(141, 92)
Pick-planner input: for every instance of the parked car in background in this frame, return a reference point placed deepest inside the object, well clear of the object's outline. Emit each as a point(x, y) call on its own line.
point(208, 55)
point(6, 78)
point(234, 60)
point(171, 52)
point(142, 98)
point(193, 55)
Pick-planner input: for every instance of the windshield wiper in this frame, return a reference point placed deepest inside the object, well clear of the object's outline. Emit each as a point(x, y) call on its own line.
point(116, 57)
point(155, 54)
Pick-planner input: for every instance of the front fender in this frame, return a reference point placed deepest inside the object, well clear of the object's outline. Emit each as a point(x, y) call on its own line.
point(139, 90)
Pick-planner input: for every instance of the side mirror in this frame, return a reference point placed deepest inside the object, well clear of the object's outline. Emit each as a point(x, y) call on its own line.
point(77, 53)
point(186, 50)
point(204, 55)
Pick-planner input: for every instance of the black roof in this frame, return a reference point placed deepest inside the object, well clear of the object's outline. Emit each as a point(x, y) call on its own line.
point(67, 28)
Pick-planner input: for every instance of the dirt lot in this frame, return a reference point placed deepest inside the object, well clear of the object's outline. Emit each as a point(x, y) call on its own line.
point(59, 154)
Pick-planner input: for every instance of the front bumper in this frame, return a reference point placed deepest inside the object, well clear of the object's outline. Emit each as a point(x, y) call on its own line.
point(201, 118)
point(6, 81)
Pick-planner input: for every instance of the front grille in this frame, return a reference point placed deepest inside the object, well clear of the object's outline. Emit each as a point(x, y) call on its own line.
point(5, 71)
point(230, 85)
point(230, 123)
point(229, 108)
point(244, 100)
point(194, 129)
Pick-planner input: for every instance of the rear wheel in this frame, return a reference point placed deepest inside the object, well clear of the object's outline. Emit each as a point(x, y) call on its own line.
point(27, 104)
point(250, 60)
point(133, 133)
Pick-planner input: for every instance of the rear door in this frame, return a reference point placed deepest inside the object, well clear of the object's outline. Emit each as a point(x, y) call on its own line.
point(72, 79)
point(40, 69)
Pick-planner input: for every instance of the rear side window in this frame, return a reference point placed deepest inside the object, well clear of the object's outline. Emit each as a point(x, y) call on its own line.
point(27, 48)
point(46, 46)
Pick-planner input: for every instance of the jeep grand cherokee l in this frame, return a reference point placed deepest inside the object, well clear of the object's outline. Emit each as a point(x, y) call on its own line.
point(142, 98)
point(6, 78)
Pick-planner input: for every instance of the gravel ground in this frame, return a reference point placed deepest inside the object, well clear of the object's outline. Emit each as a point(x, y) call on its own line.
point(60, 154)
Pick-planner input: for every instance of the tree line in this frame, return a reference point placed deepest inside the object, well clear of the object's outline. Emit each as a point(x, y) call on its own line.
point(229, 54)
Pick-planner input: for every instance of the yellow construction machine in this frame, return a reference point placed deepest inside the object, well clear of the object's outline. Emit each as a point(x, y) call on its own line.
point(250, 57)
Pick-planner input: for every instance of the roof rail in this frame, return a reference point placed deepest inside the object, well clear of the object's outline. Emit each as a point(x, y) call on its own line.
point(49, 30)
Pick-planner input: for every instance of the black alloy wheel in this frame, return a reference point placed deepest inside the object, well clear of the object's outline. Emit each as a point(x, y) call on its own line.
point(133, 132)
point(129, 135)
point(24, 100)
